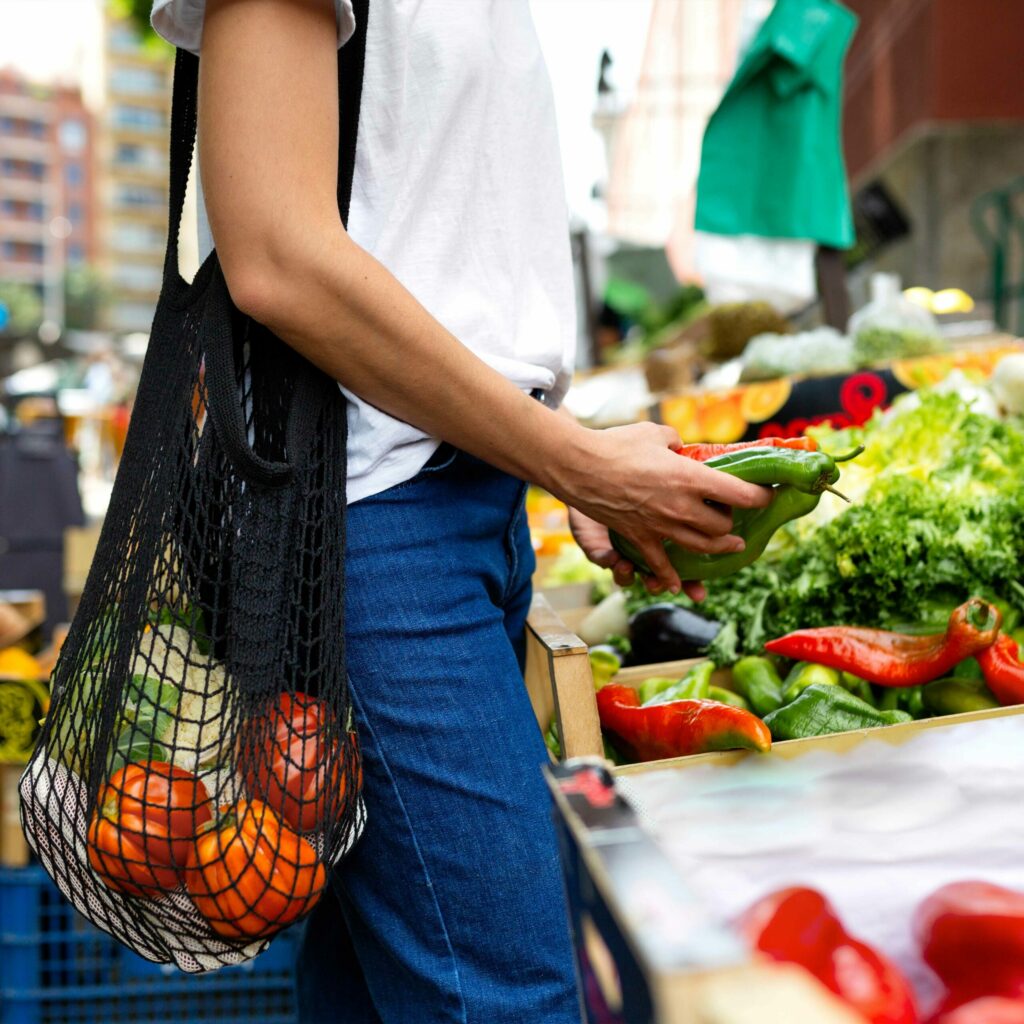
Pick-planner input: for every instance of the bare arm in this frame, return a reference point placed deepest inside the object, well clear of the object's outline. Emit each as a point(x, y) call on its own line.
point(268, 72)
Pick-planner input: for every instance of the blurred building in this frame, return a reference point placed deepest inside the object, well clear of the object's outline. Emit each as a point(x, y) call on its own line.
point(48, 215)
point(934, 110)
point(132, 168)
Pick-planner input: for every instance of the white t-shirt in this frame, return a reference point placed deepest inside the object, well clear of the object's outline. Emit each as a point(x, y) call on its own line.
point(458, 191)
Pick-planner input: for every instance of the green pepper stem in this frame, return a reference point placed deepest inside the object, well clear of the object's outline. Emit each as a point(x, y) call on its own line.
point(838, 494)
point(851, 455)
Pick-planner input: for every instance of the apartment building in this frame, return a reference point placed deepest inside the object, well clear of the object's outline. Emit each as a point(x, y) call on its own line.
point(132, 169)
point(47, 187)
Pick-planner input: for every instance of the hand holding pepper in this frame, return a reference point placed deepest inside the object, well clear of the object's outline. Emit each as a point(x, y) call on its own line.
point(631, 481)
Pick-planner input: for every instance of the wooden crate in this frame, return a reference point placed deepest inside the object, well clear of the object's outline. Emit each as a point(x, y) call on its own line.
point(645, 946)
point(559, 680)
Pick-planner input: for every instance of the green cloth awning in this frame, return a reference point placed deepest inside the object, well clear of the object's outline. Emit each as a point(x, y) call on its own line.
point(772, 161)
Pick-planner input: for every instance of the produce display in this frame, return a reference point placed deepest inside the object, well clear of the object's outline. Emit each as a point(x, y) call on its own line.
point(904, 604)
point(840, 678)
point(936, 515)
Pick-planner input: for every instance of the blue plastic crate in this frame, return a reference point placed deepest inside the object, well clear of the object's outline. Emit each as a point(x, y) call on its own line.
point(56, 968)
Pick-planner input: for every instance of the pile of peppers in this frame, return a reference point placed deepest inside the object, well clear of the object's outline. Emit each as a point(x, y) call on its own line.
point(970, 934)
point(845, 678)
point(793, 467)
point(972, 666)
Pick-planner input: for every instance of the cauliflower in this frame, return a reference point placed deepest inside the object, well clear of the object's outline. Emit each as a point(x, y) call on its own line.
point(192, 732)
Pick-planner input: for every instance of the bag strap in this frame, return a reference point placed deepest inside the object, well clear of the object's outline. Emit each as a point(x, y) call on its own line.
point(351, 62)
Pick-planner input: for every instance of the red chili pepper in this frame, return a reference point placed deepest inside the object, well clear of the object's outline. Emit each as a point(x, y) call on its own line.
point(988, 1010)
point(677, 728)
point(895, 659)
point(703, 452)
point(800, 926)
point(1003, 671)
point(971, 935)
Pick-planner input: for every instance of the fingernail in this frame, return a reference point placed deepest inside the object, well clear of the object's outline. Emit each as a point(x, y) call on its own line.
point(740, 545)
point(675, 588)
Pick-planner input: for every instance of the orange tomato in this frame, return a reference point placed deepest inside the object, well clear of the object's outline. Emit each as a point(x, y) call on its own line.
point(250, 875)
point(143, 826)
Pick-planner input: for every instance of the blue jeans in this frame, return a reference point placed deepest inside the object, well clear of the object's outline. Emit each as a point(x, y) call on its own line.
point(451, 907)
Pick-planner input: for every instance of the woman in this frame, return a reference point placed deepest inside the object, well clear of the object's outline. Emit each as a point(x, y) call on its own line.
point(444, 312)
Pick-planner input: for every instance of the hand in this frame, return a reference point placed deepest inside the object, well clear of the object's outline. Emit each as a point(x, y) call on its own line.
point(629, 479)
point(593, 538)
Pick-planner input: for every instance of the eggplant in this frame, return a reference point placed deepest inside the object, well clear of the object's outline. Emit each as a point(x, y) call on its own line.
point(669, 632)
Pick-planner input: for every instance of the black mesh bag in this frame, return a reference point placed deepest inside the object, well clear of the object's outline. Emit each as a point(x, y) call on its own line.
point(198, 771)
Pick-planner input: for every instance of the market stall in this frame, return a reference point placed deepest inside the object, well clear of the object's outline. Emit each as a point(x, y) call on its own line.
point(841, 715)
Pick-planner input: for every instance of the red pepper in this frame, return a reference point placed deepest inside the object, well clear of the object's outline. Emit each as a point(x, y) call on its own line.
point(1003, 671)
point(971, 935)
point(703, 452)
point(988, 1010)
point(800, 926)
point(677, 728)
point(895, 659)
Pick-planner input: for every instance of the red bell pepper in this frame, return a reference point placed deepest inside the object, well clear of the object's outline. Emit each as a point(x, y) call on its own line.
point(988, 1010)
point(800, 926)
point(703, 452)
point(677, 728)
point(971, 935)
point(1003, 671)
point(895, 659)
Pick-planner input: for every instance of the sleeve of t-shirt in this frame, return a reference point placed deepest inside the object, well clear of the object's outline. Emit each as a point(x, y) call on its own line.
point(180, 22)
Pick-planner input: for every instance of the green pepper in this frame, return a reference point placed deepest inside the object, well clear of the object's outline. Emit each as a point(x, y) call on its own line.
point(724, 696)
point(756, 679)
point(552, 741)
point(1018, 637)
point(827, 708)
point(804, 674)
point(811, 472)
point(651, 687)
point(693, 686)
point(859, 687)
point(956, 696)
point(605, 664)
point(799, 477)
point(969, 670)
point(902, 698)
